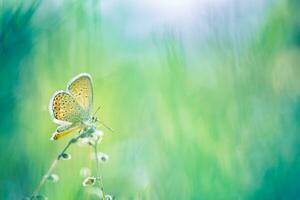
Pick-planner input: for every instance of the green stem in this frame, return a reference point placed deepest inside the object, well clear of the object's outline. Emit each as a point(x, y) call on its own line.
point(99, 176)
point(52, 167)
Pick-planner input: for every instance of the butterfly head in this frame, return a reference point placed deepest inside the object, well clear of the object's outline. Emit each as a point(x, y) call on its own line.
point(94, 119)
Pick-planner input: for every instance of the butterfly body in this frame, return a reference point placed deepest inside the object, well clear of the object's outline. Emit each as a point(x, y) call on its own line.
point(71, 109)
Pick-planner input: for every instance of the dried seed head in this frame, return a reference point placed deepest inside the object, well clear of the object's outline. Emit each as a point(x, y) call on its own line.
point(65, 156)
point(53, 178)
point(89, 181)
point(85, 172)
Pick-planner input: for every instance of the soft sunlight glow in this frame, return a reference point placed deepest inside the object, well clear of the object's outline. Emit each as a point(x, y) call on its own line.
point(175, 7)
point(179, 9)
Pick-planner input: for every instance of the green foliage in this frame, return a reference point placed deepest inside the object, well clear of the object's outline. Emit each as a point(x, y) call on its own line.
point(216, 118)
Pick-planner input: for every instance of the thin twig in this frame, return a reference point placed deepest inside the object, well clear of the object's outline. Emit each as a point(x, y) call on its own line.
point(52, 166)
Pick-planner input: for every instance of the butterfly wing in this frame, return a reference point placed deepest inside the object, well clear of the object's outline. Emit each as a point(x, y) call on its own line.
point(81, 88)
point(64, 109)
point(64, 130)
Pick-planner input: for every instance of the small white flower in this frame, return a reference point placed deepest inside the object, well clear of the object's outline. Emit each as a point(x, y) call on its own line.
point(96, 136)
point(83, 141)
point(102, 157)
point(85, 172)
point(65, 156)
point(108, 197)
point(89, 181)
point(98, 133)
point(86, 141)
point(53, 178)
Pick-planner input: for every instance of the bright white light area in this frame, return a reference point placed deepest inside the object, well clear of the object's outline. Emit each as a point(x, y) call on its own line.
point(174, 10)
point(171, 9)
point(161, 11)
point(139, 19)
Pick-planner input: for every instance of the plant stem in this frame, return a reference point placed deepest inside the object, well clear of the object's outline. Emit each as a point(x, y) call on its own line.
point(99, 176)
point(52, 167)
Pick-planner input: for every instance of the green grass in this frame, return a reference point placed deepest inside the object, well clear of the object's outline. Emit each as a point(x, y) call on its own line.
point(217, 119)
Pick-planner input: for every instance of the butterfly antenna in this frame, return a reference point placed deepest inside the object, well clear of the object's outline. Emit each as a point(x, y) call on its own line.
point(107, 126)
point(100, 122)
point(96, 111)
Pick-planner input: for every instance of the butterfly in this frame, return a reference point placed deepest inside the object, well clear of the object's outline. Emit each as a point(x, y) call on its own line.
point(71, 110)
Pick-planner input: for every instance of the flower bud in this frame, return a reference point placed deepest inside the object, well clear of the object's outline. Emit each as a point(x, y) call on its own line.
point(65, 156)
point(53, 178)
point(86, 141)
point(102, 157)
point(98, 133)
point(89, 181)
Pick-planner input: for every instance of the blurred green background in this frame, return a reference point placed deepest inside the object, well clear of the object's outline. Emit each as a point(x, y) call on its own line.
point(204, 96)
